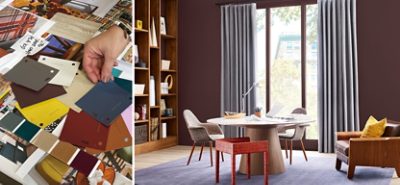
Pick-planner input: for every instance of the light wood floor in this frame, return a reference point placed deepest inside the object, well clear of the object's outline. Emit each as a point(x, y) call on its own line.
point(177, 152)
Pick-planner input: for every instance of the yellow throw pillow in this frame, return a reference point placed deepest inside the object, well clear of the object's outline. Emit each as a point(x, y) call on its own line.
point(374, 128)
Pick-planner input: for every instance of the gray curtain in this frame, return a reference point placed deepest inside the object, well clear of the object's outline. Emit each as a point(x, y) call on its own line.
point(337, 71)
point(238, 27)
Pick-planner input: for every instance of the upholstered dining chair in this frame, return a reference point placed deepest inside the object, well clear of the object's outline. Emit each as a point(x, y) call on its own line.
point(297, 135)
point(201, 133)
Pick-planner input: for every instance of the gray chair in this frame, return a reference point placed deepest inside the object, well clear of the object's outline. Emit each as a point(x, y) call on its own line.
point(297, 135)
point(201, 133)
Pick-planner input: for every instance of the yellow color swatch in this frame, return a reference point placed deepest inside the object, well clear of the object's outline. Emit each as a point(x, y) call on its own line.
point(44, 113)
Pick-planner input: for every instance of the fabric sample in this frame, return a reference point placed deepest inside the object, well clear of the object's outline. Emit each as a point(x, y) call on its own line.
point(84, 163)
point(45, 141)
point(67, 70)
point(10, 121)
point(31, 74)
point(110, 101)
point(91, 133)
point(44, 113)
point(27, 97)
point(63, 151)
point(79, 87)
point(27, 131)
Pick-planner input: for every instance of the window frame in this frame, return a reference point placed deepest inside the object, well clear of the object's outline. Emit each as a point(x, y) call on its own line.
point(310, 144)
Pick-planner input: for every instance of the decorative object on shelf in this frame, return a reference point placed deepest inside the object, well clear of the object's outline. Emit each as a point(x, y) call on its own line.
point(137, 116)
point(153, 35)
point(141, 63)
point(163, 130)
point(136, 53)
point(154, 129)
point(170, 81)
point(234, 115)
point(152, 91)
point(165, 64)
point(139, 24)
point(140, 134)
point(164, 88)
point(139, 89)
point(163, 106)
point(142, 110)
point(163, 26)
point(257, 111)
point(169, 112)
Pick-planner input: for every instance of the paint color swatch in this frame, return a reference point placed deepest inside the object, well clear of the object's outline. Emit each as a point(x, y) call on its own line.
point(27, 131)
point(10, 121)
point(82, 130)
point(31, 74)
point(67, 70)
point(45, 140)
point(125, 84)
point(44, 113)
point(27, 97)
point(85, 163)
point(118, 135)
point(64, 151)
point(79, 87)
point(105, 102)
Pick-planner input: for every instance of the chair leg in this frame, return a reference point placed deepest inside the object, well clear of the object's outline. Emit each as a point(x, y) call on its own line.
point(291, 151)
point(191, 153)
point(211, 157)
point(201, 151)
point(286, 148)
point(338, 164)
point(398, 170)
point(233, 175)
point(304, 150)
point(248, 165)
point(266, 168)
point(350, 171)
point(217, 166)
point(222, 156)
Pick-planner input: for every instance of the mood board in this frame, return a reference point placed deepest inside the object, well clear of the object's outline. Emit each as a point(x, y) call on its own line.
point(43, 87)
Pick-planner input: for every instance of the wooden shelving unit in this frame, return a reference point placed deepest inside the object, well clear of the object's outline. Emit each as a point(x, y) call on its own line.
point(166, 49)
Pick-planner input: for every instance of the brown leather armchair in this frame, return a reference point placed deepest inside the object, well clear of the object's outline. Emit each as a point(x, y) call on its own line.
point(379, 152)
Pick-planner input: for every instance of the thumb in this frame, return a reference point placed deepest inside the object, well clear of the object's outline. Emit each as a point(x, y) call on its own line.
point(106, 71)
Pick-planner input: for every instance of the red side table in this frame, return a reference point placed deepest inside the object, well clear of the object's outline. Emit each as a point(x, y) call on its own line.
point(235, 146)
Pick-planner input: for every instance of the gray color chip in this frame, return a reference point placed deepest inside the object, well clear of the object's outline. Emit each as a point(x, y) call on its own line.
point(31, 74)
point(10, 121)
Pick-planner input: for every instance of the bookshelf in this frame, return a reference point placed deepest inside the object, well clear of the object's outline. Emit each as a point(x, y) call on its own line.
point(152, 55)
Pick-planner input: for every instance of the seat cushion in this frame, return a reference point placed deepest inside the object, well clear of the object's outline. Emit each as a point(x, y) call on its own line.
point(392, 129)
point(343, 146)
point(216, 136)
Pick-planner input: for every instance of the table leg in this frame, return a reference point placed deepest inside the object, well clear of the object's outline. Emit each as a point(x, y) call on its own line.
point(276, 164)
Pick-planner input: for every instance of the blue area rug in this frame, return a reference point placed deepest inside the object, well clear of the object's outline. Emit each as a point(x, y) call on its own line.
point(319, 170)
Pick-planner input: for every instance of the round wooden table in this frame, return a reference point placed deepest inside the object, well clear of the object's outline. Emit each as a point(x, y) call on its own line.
point(264, 129)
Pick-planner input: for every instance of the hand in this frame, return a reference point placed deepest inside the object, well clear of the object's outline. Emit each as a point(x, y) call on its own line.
point(101, 53)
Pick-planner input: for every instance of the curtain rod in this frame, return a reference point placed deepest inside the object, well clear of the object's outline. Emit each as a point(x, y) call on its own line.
point(225, 2)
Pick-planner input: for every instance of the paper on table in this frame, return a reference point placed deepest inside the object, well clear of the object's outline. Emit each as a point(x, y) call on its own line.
point(102, 6)
point(29, 44)
point(73, 28)
point(44, 113)
point(127, 116)
point(67, 70)
point(79, 87)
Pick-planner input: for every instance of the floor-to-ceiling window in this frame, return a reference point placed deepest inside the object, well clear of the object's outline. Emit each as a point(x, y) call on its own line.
point(286, 57)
